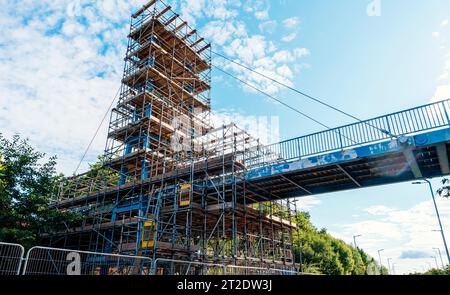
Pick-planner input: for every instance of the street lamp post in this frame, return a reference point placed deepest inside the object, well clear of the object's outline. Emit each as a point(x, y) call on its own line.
point(438, 216)
point(379, 256)
point(435, 260)
point(389, 265)
point(354, 240)
point(440, 256)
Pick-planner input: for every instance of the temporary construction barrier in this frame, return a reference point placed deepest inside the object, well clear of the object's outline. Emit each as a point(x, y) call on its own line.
point(11, 256)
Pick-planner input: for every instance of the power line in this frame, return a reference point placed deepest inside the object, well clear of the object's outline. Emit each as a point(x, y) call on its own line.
point(96, 132)
point(99, 126)
point(281, 102)
point(302, 93)
point(273, 97)
point(255, 88)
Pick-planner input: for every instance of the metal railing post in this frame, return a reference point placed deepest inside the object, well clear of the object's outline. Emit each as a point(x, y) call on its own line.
point(340, 139)
point(26, 261)
point(445, 111)
point(154, 266)
point(388, 125)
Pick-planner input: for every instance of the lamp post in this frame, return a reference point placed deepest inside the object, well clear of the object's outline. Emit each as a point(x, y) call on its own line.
point(435, 260)
point(440, 256)
point(393, 268)
point(389, 265)
point(379, 256)
point(437, 214)
point(354, 240)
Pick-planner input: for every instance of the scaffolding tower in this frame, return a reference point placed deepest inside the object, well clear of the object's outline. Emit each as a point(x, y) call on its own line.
point(173, 186)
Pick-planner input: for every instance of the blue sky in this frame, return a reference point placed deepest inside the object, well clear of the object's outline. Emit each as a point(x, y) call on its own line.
point(61, 63)
point(367, 66)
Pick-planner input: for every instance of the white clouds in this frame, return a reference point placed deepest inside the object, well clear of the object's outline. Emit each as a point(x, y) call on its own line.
point(444, 76)
point(259, 8)
point(249, 49)
point(268, 27)
point(285, 71)
point(285, 56)
point(414, 254)
point(379, 210)
point(301, 52)
point(441, 36)
point(220, 9)
point(266, 129)
point(291, 23)
point(262, 15)
point(307, 203)
point(262, 55)
point(61, 63)
point(222, 33)
point(191, 9)
point(290, 37)
point(293, 27)
point(378, 230)
point(230, 34)
point(60, 66)
point(442, 93)
point(403, 233)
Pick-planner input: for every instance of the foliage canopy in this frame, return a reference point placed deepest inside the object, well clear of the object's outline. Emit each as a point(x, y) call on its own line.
point(27, 183)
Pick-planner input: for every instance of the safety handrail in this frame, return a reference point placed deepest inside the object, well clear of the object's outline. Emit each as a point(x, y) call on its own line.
point(415, 120)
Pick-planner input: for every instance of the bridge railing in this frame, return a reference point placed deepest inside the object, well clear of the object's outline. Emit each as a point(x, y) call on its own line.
point(407, 122)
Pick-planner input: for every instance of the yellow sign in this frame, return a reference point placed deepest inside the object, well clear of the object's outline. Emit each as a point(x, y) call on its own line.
point(148, 235)
point(185, 194)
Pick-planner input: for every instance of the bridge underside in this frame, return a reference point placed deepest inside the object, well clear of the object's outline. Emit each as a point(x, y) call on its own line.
point(404, 159)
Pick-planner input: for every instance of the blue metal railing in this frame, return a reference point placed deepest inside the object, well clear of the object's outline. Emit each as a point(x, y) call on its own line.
point(407, 122)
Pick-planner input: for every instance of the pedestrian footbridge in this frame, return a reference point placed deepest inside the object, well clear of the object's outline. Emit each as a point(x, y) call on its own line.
point(399, 147)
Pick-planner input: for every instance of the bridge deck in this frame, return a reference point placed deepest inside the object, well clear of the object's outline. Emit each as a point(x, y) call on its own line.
point(399, 147)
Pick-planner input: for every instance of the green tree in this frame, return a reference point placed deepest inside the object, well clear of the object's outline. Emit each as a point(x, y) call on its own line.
point(438, 272)
point(325, 254)
point(98, 170)
point(435, 272)
point(27, 186)
point(2, 173)
point(360, 265)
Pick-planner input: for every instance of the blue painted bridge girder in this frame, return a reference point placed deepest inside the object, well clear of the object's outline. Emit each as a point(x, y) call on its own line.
point(400, 159)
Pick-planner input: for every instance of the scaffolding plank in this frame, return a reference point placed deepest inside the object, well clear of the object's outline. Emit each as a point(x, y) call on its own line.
point(144, 8)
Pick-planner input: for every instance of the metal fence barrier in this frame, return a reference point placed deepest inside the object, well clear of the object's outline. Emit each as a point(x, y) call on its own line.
point(53, 261)
point(11, 256)
point(179, 267)
point(50, 261)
